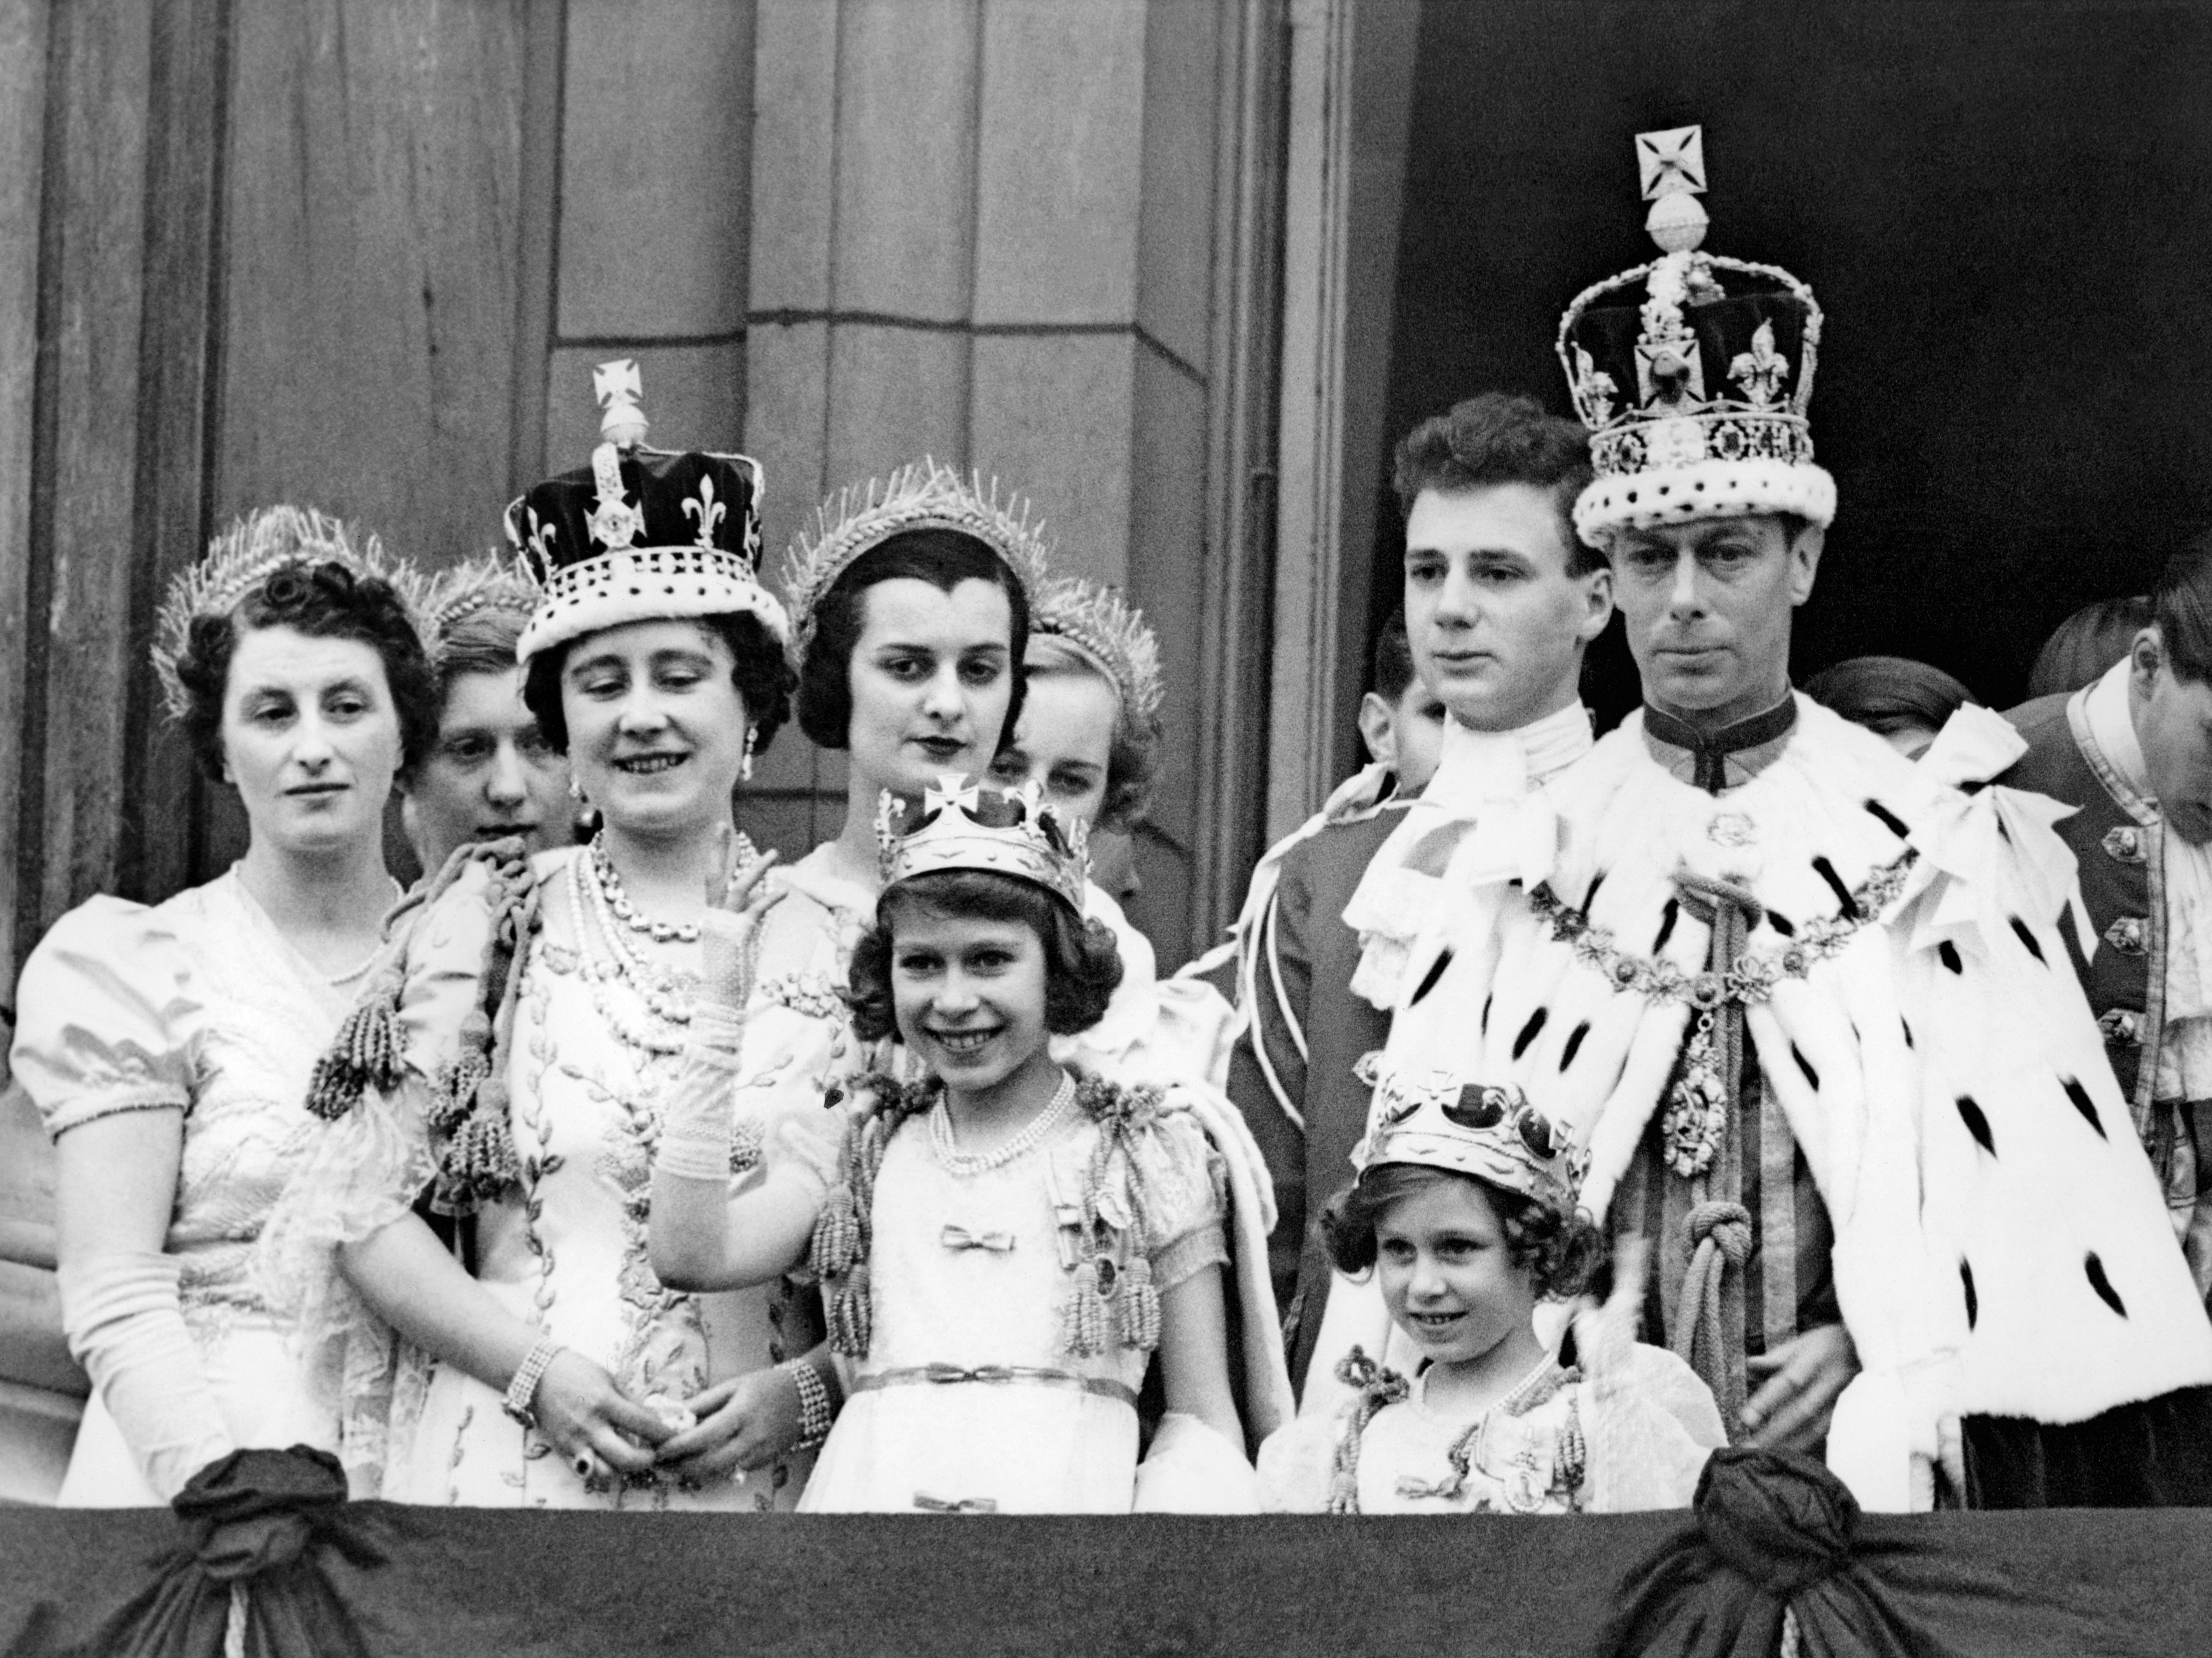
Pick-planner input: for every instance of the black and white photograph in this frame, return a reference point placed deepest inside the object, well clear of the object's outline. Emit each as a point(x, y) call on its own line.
point(1128, 827)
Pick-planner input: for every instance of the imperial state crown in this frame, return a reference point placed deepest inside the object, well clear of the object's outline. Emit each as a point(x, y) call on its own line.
point(1695, 392)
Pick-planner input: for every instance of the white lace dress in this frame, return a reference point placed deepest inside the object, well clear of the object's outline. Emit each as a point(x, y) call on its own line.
point(591, 1046)
point(967, 1401)
point(201, 1004)
point(1637, 1437)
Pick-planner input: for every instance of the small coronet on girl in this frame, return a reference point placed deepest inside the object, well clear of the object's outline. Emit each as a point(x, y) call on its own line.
point(1464, 1211)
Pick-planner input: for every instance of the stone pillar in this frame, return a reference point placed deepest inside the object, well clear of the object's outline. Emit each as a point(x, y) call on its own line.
point(649, 254)
point(984, 230)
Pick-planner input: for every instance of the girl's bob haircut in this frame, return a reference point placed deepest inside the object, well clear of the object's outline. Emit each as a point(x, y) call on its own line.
point(1082, 964)
point(1563, 1247)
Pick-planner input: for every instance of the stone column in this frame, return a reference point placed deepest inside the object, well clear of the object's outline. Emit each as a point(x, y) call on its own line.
point(985, 230)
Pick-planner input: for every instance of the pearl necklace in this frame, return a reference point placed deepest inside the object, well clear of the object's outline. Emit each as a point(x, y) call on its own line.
point(663, 990)
point(610, 888)
point(954, 1161)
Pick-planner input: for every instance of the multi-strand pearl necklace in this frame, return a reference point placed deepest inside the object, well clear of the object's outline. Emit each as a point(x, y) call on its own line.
point(617, 900)
point(665, 994)
point(954, 1161)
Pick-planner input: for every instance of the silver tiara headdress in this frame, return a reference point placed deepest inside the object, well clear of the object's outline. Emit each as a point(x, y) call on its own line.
point(925, 496)
point(240, 559)
point(443, 599)
point(1099, 622)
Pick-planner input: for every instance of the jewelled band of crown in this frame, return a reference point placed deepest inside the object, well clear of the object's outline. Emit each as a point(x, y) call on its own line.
point(1096, 621)
point(1437, 1121)
point(950, 831)
point(925, 496)
point(238, 559)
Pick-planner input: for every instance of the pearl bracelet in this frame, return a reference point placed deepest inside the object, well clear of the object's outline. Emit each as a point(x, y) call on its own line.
point(814, 1409)
point(523, 1390)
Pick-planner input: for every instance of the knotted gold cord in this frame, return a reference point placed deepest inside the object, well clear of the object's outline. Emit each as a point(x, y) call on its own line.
point(1708, 1328)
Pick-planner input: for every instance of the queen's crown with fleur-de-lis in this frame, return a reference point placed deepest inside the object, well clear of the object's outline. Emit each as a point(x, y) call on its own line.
point(959, 825)
point(1696, 393)
point(642, 534)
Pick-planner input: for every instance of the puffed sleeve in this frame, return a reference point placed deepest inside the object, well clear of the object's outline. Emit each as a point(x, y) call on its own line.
point(107, 1016)
point(1156, 1031)
point(799, 1052)
point(1298, 1463)
point(1185, 1199)
point(1649, 1424)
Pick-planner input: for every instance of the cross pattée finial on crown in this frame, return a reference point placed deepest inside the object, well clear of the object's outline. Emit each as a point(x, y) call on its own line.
point(961, 825)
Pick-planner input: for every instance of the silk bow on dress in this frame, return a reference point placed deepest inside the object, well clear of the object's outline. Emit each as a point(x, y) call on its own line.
point(956, 1236)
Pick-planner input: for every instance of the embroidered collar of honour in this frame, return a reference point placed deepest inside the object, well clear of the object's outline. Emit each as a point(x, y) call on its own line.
point(1753, 977)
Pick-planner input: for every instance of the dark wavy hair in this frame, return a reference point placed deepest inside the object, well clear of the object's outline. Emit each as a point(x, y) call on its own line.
point(1501, 438)
point(2182, 601)
point(757, 669)
point(943, 558)
point(1887, 694)
point(1563, 1247)
point(1082, 964)
point(323, 599)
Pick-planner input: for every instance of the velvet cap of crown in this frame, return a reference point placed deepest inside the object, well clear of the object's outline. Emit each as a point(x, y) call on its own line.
point(1439, 1119)
point(959, 825)
point(642, 534)
point(1695, 390)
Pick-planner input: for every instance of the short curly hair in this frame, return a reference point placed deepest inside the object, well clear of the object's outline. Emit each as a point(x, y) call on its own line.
point(323, 599)
point(1562, 1247)
point(1501, 438)
point(1132, 755)
point(1081, 963)
point(757, 669)
point(943, 558)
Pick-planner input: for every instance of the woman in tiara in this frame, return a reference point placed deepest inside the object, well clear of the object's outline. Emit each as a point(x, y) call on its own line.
point(912, 610)
point(513, 1063)
point(1090, 740)
point(169, 1047)
point(491, 774)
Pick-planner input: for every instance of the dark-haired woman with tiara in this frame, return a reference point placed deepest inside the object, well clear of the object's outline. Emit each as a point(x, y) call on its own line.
point(513, 1063)
point(169, 1048)
point(911, 607)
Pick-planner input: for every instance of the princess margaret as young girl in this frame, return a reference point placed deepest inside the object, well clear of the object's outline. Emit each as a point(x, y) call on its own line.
point(1006, 1243)
point(1464, 1209)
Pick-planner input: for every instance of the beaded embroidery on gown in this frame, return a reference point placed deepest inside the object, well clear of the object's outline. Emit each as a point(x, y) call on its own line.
point(199, 1003)
point(968, 1400)
point(596, 1037)
point(1558, 1442)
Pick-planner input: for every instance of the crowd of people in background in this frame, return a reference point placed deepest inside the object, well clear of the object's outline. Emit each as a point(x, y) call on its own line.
point(1818, 1068)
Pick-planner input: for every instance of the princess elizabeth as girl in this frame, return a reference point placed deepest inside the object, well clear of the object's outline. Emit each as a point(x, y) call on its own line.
point(1005, 1244)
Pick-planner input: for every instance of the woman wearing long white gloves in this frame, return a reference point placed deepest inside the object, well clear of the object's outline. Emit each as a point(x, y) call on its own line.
point(169, 1048)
